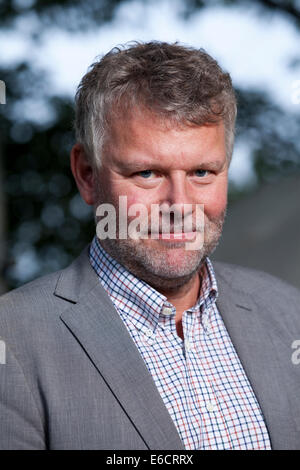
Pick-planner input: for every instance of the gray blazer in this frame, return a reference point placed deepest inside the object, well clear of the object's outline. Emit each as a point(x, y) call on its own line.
point(72, 378)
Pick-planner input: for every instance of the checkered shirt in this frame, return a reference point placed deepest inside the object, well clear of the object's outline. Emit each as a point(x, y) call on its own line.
point(200, 379)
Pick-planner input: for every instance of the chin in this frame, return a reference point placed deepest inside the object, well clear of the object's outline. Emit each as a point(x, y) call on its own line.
point(171, 263)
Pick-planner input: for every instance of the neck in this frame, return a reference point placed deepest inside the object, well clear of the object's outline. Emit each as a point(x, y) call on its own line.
point(184, 297)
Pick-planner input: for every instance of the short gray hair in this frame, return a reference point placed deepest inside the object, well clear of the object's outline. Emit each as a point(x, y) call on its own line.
point(180, 84)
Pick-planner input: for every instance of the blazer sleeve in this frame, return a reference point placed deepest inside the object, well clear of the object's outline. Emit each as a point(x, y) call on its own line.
point(21, 425)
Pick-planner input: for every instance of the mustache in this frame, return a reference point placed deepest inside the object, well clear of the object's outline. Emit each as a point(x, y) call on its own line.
point(160, 227)
point(178, 229)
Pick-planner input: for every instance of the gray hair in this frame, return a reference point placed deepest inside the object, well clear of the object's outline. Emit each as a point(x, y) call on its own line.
point(179, 84)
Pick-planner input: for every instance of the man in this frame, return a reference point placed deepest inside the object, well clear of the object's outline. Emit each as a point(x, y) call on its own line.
point(142, 343)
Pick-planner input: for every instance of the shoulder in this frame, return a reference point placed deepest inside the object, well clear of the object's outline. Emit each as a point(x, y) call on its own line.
point(40, 289)
point(261, 286)
point(39, 303)
point(31, 308)
point(254, 279)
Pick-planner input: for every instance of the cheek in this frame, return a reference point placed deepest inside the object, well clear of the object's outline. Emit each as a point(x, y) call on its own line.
point(216, 201)
point(113, 189)
point(137, 198)
point(133, 196)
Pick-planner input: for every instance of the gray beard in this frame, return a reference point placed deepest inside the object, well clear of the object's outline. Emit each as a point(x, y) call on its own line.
point(152, 264)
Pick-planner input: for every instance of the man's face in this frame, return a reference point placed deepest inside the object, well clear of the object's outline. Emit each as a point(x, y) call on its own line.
point(150, 163)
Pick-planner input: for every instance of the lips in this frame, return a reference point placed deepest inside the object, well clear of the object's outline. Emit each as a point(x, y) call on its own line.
point(175, 236)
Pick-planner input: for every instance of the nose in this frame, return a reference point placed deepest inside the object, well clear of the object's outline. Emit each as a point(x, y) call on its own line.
point(176, 190)
point(177, 197)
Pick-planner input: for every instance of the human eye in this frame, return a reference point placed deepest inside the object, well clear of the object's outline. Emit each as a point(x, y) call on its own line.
point(201, 176)
point(201, 173)
point(146, 174)
point(147, 178)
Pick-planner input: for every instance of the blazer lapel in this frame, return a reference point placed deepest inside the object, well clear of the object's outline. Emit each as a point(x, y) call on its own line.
point(263, 353)
point(101, 333)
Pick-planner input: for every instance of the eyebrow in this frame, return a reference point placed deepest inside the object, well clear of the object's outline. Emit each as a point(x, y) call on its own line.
point(215, 165)
point(135, 166)
point(140, 166)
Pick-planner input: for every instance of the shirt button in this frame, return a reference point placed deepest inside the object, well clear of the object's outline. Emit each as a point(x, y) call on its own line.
point(211, 406)
point(206, 326)
point(187, 345)
point(148, 332)
point(167, 311)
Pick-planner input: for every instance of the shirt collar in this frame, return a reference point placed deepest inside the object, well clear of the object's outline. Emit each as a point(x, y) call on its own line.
point(137, 299)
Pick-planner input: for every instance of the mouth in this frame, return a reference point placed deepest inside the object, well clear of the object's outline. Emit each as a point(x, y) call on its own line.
point(174, 236)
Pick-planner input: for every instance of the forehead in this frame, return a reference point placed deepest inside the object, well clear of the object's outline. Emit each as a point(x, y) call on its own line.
point(150, 139)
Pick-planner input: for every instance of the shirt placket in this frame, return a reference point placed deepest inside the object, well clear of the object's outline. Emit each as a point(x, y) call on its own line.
point(189, 322)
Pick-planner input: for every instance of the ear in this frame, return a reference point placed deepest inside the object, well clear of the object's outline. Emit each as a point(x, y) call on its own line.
point(83, 173)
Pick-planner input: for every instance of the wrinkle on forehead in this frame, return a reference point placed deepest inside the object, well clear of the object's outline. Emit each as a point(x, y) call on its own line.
point(140, 130)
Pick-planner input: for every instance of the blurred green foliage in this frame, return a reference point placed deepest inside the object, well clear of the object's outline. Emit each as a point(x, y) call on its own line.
point(47, 222)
